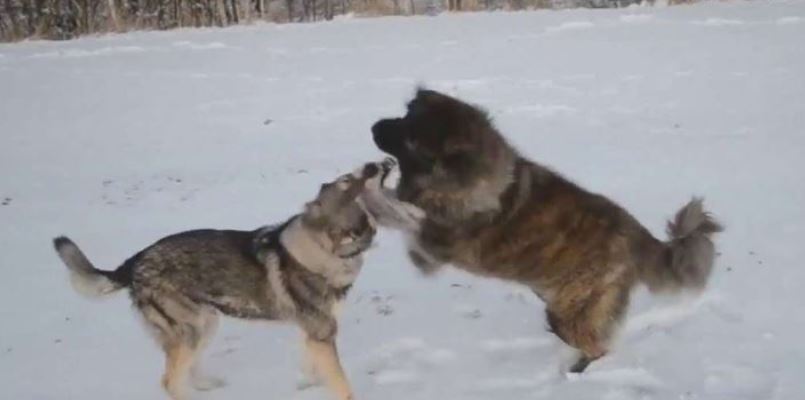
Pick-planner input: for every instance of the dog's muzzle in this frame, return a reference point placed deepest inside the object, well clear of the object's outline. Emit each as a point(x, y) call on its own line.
point(388, 135)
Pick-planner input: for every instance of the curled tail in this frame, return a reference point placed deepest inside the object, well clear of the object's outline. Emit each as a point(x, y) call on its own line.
point(85, 278)
point(686, 260)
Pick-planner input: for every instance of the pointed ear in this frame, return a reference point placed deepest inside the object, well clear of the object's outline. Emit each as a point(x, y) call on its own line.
point(430, 95)
point(313, 207)
point(422, 92)
point(313, 214)
point(356, 187)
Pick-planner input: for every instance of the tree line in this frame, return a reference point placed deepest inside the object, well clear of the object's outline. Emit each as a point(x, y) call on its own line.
point(66, 19)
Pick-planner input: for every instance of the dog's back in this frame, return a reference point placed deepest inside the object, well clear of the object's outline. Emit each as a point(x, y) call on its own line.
point(209, 267)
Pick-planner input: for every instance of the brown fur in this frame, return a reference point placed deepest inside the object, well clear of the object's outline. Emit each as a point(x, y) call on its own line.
point(497, 214)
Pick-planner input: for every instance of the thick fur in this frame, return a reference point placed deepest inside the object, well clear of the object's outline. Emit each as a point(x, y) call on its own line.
point(490, 211)
point(298, 272)
point(85, 278)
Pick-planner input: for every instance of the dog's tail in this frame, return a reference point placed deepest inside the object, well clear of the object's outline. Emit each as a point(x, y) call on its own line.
point(686, 260)
point(84, 277)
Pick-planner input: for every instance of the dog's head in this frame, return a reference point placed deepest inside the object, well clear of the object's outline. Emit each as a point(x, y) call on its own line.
point(338, 215)
point(441, 143)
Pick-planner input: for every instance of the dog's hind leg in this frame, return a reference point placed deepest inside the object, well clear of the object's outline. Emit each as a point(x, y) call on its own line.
point(325, 358)
point(199, 380)
point(588, 323)
point(178, 361)
point(178, 325)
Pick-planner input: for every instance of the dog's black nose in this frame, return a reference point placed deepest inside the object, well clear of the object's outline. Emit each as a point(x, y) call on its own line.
point(377, 130)
point(386, 134)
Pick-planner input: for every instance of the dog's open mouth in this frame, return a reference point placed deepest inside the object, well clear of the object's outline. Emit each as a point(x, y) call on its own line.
point(357, 245)
point(354, 253)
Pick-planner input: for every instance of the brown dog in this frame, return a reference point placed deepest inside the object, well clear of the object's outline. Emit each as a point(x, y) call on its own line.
point(492, 212)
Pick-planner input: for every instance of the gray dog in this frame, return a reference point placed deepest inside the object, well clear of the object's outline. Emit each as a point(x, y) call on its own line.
point(298, 271)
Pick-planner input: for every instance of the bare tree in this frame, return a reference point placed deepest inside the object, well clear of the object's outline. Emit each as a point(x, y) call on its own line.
point(246, 7)
point(13, 14)
point(289, 6)
point(65, 19)
point(113, 15)
point(327, 10)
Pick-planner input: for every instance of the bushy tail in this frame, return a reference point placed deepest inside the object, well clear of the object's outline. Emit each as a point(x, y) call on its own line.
point(85, 278)
point(687, 258)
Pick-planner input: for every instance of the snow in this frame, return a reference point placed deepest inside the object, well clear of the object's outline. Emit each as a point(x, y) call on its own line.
point(118, 140)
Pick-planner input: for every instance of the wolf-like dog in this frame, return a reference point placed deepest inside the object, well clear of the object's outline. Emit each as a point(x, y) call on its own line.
point(491, 211)
point(297, 271)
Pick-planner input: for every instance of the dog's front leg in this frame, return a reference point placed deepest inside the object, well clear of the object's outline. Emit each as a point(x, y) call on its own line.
point(324, 355)
point(390, 212)
point(424, 263)
point(422, 259)
point(310, 376)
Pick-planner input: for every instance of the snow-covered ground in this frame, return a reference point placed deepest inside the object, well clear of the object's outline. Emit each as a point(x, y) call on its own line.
point(119, 140)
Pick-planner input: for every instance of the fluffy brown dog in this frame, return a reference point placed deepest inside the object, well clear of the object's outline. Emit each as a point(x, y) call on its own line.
point(492, 212)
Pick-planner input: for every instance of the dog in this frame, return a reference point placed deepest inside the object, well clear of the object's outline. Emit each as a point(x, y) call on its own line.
point(298, 271)
point(492, 212)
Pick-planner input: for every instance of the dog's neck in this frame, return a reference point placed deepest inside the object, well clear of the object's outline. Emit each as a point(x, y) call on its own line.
point(482, 201)
point(309, 248)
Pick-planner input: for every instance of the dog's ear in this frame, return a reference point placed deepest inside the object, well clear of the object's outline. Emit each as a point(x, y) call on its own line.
point(314, 214)
point(357, 182)
point(428, 95)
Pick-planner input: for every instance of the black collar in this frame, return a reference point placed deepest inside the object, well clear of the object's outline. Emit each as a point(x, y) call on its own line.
point(267, 239)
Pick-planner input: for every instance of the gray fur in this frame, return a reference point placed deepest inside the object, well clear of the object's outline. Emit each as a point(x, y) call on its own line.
point(84, 277)
point(294, 272)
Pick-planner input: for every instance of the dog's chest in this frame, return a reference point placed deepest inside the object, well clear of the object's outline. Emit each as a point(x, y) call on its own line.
point(448, 246)
point(494, 251)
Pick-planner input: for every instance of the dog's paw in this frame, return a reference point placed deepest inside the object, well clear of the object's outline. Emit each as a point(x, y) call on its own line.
point(423, 263)
point(207, 383)
point(387, 165)
point(306, 381)
point(414, 212)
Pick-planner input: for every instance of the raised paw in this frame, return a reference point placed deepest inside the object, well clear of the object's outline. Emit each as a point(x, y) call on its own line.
point(387, 165)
